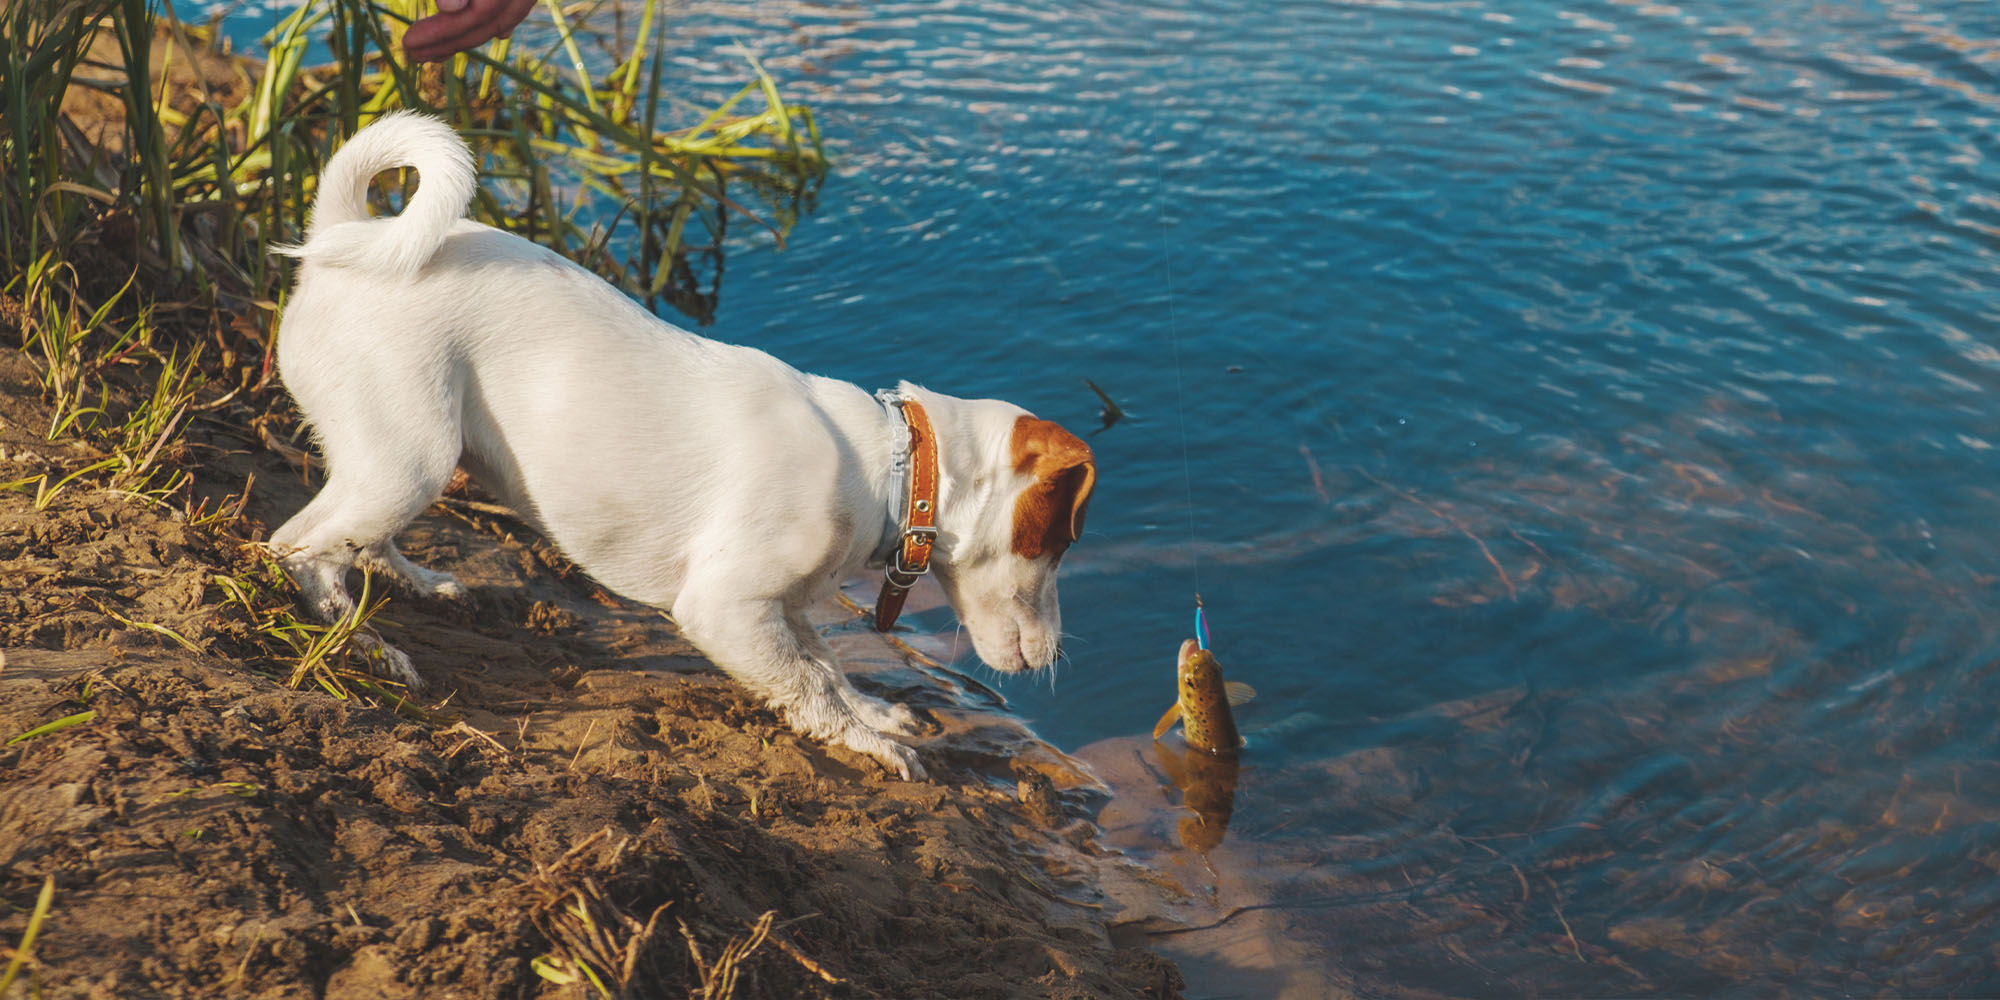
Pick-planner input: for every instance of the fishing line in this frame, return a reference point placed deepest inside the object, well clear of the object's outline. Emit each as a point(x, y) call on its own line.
point(1180, 406)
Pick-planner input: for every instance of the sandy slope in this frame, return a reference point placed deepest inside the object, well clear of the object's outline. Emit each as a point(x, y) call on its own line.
point(608, 796)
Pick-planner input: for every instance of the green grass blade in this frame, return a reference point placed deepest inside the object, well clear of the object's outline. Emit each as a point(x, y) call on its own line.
point(57, 726)
point(35, 920)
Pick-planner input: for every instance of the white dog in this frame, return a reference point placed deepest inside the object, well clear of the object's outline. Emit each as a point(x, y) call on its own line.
point(702, 478)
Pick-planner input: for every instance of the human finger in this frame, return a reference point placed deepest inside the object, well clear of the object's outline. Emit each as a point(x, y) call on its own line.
point(441, 36)
point(447, 33)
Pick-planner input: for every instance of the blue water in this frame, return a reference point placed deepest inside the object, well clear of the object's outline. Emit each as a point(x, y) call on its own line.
point(1577, 418)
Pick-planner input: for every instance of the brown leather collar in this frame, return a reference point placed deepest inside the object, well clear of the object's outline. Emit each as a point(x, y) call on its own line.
point(912, 557)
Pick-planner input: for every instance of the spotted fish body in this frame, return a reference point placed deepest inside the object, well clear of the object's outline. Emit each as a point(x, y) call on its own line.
point(1203, 706)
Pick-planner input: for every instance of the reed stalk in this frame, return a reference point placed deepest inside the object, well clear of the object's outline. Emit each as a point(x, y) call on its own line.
point(565, 141)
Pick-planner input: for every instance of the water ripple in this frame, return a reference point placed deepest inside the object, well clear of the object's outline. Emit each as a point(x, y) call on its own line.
point(1588, 425)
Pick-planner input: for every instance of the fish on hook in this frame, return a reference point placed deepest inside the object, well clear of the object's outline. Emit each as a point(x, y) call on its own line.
point(1204, 702)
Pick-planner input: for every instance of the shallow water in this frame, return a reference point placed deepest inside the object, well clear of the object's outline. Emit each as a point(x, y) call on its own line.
point(1575, 417)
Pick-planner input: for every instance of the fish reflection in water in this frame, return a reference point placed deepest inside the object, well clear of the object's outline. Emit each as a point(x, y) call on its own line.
point(1207, 782)
point(1206, 772)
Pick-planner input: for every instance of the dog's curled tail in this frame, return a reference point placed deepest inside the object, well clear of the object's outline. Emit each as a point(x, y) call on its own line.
point(342, 234)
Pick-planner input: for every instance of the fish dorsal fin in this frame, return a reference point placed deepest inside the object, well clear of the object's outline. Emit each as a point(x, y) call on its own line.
point(1238, 692)
point(1167, 721)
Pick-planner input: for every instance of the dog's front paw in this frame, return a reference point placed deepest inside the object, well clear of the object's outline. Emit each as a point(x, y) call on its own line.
point(886, 716)
point(903, 761)
point(387, 661)
point(893, 755)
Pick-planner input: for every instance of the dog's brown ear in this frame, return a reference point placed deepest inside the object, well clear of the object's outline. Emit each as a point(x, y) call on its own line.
point(1048, 515)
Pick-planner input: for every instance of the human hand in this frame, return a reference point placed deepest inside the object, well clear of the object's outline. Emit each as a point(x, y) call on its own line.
point(461, 24)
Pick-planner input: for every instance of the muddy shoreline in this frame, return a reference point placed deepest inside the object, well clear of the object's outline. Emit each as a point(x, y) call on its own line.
point(592, 800)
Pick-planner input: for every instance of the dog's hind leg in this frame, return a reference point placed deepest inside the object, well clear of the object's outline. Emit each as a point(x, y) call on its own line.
point(370, 494)
point(760, 644)
point(384, 556)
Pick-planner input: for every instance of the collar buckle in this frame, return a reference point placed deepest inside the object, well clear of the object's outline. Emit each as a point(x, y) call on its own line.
point(918, 541)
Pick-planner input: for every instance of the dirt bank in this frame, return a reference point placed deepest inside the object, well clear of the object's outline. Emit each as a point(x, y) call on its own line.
point(592, 799)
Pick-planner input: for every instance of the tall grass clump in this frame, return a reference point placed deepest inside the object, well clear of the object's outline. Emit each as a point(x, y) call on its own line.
point(40, 48)
point(195, 162)
point(146, 170)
